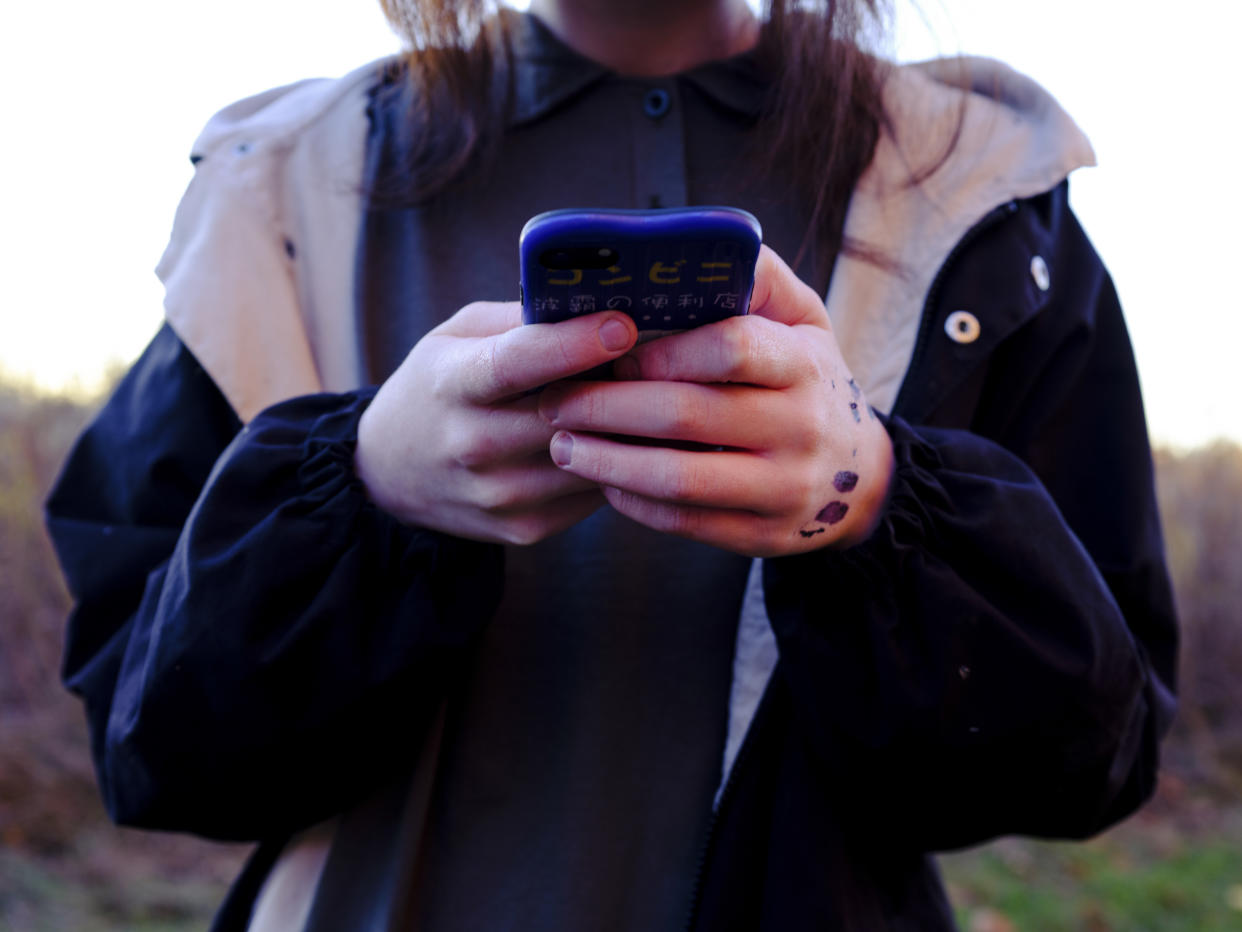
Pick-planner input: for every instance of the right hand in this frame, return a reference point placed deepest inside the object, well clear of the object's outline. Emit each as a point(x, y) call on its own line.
point(454, 441)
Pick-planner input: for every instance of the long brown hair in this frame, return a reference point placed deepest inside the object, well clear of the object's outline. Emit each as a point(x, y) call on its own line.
point(820, 123)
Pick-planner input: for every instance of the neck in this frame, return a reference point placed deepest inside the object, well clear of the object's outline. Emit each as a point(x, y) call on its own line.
point(648, 38)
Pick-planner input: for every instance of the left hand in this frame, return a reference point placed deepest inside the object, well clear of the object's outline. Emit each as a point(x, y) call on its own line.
point(805, 464)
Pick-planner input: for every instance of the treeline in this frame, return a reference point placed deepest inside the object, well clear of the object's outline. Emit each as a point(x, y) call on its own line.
point(47, 792)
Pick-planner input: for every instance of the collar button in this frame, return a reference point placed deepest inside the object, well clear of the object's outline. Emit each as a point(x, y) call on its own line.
point(656, 103)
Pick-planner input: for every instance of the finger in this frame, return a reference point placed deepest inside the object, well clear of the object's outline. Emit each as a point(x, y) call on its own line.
point(717, 415)
point(782, 296)
point(738, 531)
point(518, 488)
point(749, 349)
point(482, 437)
point(719, 479)
point(527, 357)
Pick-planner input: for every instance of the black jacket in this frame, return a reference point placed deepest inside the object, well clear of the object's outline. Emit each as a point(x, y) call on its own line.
point(1000, 656)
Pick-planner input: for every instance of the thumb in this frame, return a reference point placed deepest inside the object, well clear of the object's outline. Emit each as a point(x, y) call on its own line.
point(782, 296)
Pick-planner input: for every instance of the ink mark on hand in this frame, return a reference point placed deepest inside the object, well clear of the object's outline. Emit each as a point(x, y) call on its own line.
point(855, 389)
point(818, 530)
point(832, 512)
point(845, 481)
point(854, 411)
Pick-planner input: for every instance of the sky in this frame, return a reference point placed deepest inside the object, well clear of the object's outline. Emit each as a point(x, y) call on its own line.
point(102, 101)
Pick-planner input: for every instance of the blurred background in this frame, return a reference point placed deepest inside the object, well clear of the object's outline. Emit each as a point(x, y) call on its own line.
point(103, 101)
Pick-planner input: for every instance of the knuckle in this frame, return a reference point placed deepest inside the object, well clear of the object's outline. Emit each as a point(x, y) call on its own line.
point(563, 347)
point(472, 450)
point(804, 495)
point(444, 378)
point(682, 522)
point(524, 531)
point(818, 435)
point(498, 362)
point(619, 499)
point(686, 413)
point(684, 481)
point(496, 498)
point(654, 360)
point(584, 407)
point(737, 346)
point(801, 487)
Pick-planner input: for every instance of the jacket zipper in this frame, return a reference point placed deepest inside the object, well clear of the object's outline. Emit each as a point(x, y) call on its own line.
point(992, 217)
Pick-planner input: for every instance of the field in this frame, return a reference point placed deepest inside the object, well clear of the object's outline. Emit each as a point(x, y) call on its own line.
point(1154, 873)
point(1175, 867)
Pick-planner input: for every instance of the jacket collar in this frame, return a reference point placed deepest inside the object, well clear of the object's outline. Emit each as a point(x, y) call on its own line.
point(1006, 139)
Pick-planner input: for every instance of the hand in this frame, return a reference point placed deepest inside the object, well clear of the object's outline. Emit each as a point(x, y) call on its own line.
point(453, 441)
point(787, 455)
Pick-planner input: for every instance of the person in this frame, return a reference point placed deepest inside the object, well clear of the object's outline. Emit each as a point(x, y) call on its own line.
point(370, 573)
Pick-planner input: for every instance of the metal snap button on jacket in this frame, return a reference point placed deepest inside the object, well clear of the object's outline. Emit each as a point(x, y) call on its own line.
point(962, 327)
point(1039, 272)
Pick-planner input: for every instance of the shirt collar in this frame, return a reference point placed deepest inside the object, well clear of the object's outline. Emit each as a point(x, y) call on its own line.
point(547, 73)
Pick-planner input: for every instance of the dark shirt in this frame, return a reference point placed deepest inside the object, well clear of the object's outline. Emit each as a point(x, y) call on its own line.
point(583, 751)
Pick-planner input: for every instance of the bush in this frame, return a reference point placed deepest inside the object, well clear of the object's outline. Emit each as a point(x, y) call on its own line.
point(62, 864)
point(1200, 496)
point(46, 783)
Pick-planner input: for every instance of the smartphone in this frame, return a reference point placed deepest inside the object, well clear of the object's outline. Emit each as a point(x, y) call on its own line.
point(670, 268)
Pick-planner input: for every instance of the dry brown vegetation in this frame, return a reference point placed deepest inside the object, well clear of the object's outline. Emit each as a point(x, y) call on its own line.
point(50, 814)
point(45, 780)
point(1201, 505)
point(62, 865)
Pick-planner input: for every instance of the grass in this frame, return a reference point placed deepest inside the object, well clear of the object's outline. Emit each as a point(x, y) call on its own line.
point(1152, 874)
point(37, 897)
point(1148, 875)
point(104, 885)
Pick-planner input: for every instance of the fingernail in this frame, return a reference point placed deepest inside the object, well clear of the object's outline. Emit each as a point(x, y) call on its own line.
point(562, 448)
point(626, 368)
point(614, 335)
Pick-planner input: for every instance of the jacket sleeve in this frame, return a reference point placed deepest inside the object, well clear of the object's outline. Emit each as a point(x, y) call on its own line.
point(256, 644)
point(999, 657)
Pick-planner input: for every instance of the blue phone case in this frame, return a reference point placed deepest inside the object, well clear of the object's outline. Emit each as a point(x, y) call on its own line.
point(670, 269)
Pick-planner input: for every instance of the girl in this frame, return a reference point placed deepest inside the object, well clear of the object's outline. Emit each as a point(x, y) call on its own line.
point(366, 575)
